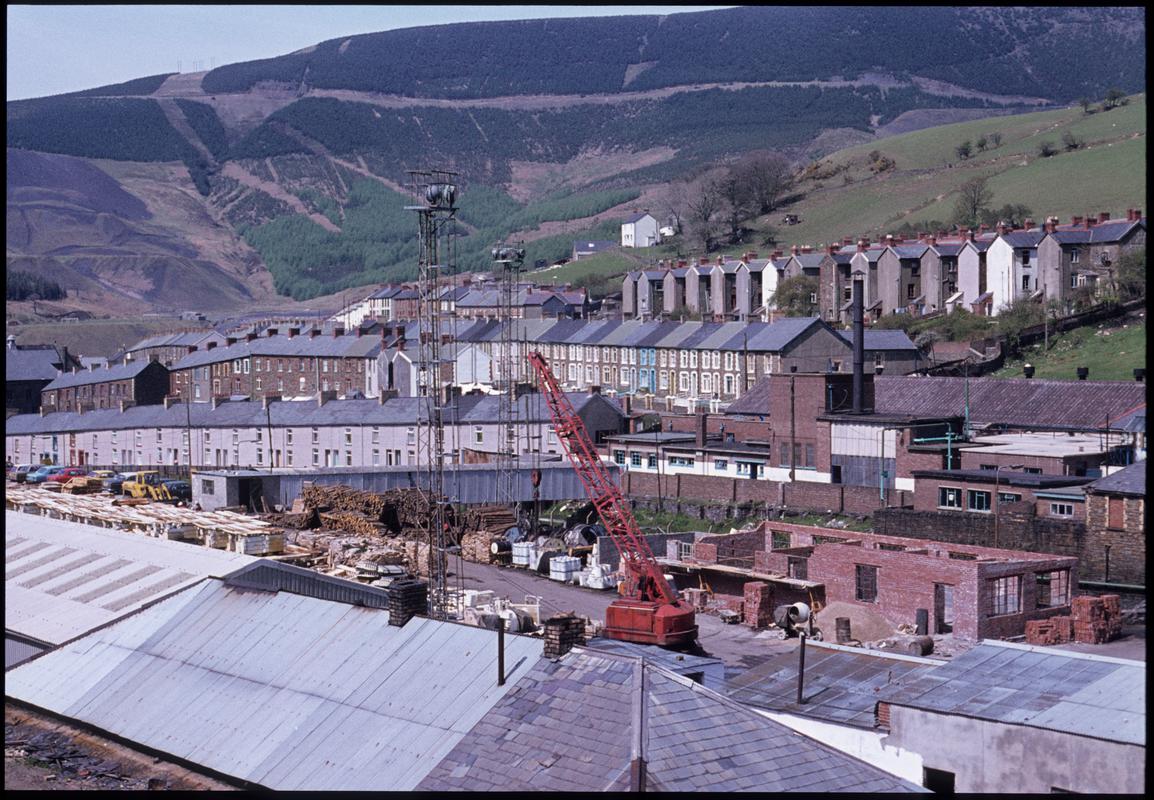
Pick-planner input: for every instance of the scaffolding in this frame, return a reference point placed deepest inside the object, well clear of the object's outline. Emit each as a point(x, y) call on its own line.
point(507, 262)
point(435, 194)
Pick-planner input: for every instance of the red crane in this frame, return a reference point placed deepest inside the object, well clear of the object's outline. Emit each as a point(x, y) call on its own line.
point(649, 611)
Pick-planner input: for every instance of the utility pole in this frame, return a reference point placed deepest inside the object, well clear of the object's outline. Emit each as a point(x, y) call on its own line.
point(792, 432)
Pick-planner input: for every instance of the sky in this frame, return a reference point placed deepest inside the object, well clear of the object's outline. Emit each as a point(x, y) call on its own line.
point(55, 49)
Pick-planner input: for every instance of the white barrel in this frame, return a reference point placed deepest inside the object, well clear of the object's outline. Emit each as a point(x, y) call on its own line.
point(563, 568)
point(522, 553)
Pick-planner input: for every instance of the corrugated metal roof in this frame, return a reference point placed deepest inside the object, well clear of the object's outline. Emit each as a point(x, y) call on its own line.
point(1011, 401)
point(285, 691)
point(841, 685)
point(569, 725)
point(1129, 481)
point(63, 579)
point(1054, 689)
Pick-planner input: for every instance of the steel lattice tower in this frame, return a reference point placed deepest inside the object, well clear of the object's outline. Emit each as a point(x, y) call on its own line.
point(435, 195)
point(508, 260)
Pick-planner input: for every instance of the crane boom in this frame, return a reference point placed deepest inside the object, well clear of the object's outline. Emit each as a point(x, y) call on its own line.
point(668, 619)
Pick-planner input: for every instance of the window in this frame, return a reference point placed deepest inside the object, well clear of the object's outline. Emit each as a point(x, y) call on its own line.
point(376, 458)
point(247, 366)
point(1052, 588)
point(303, 384)
point(1075, 256)
point(207, 486)
point(1025, 283)
point(651, 462)
point(1073, 281)
point(316, 435)
point(259, 456)
point(720, 464)
point(1061, 509)
point(478, 435)
point(939, 781)
point(692, 358)
point(348, 459)
point(259, 434)
point(1005, 595)
point(866, 590)
point(797, 568)
point(910, 291)
point(949, 497)
point(813, 297)
point(619, 456)
point(717, 359)
point(784, 462)
point(1032, 470)
point(664, 378)
point(316, 457)
point(635, 459)
point(288, 436)
point(1009, 497)
point(978, 501)
point(779, 540)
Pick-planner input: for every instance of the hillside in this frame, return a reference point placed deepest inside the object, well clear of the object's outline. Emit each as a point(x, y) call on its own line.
point(1111, 351)
point(288, 174)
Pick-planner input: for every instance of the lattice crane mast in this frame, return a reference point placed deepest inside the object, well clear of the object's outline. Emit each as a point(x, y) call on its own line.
point(649, 611)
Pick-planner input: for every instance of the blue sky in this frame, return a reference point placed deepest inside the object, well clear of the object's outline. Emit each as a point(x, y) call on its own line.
point(54, 49)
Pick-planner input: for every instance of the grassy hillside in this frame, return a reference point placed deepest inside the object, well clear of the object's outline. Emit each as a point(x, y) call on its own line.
point(1111, 353)
point(1108, 173)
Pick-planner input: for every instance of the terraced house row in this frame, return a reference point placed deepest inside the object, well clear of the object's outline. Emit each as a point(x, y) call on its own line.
point(981, 270)
point(687, 363)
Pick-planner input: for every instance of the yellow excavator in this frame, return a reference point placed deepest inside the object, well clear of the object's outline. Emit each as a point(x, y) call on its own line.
point(148, 485)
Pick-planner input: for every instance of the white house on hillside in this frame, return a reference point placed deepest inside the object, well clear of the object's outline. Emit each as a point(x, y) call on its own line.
point(640, 230)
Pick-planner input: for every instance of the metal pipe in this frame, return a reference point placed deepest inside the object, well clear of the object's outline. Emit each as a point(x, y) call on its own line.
point(500, 650)
point(801, 669)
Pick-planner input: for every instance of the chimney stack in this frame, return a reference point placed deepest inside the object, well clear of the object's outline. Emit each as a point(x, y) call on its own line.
point(778, 254)
point(338, 332)
point(1001, 228)
point(1029, 223)
point(701, 427)
point(806, 249)
point(230, 341)
point(1048, 225)
point(858, 344)
point(889, 240)
point(862, 245)
point(562, 632)
point(794, 249)
point(314, 332)
point(271, 332)
point(1090, 221)
point(250, 336)
point(1103, 216)
point(1075, 221)
point(293, 332)
point(847, 241)
point(833, 248)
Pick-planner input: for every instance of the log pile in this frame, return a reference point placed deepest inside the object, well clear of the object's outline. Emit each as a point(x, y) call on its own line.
point(353, 522)
point(477, 546)
point(493, 518)
point(83, 485)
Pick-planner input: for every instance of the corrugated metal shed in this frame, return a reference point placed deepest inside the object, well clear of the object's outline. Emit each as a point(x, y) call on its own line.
point(1011, 401)
point(62, 579)
point(841, 684)
point(1054, 689)
point(573, 724)
point(283, 691)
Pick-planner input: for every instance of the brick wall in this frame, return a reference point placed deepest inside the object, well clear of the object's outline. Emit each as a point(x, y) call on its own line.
point(1016, 531)
point(1123, 548)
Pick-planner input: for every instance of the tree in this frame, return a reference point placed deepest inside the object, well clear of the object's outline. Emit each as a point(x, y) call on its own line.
point(673, 202)
point(1069, 141)
point(1085, 103)
point(703, 207)
point(767, 178)
point(996, 138)
point(1047, 149)
point(981, 143)
point(1131, 272)
point(736, 202)
point(964, 150)
point(1114, 97)
point(797, 296)
point(1014, 214)
point(973, 196)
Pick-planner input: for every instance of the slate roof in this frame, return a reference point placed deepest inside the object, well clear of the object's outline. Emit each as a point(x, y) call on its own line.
point(1130, 481)
point(637, 218)
point(1010, 401)
point(302, 345)
point(573, 724)
point(809, 260)
point(86, 377)
point(916, 250)
point(1003, 477)
point(1104, 232)
point(1028, 238)
point(949, 248)
point(303, 413)
point(882, 339)
point(1051, 688)
point(31, 364)
point(841, 683)
point(981, 243)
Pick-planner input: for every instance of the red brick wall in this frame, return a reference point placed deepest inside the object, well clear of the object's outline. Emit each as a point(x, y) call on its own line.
point(974, 458)
point(926, 492)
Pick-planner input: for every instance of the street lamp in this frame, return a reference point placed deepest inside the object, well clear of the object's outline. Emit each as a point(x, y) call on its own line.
point(997, 502)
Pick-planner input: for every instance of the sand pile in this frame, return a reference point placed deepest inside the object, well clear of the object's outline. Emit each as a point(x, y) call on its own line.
point(866, 625)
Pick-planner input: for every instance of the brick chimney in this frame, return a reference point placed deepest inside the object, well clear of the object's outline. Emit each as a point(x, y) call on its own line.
point(889, 240)
point(1103, 216)
point(1049, 225)
point(230, 341)
point(806, 249)
point(562, 633)
point(931, 240)
point(1075, 221)
point(293, 332)
point(248, 337)
point(682, 263)
point(1001, 228)
point(314, 332)
point(360, 331)
point(1029, 223)
point(338, 332)
point(270, 332)
point(700, 429)
point(1137, 214)
point(778, 254)
point(833, 248)
point(794, 249)
point(847, 241)
point(209, 345)
point(862, 245)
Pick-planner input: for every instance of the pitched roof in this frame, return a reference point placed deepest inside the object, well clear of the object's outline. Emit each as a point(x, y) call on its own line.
point(1103, 232)
point(31, 363)
point(1028, 238)
point(881, 339)
point(1052, 689)
point(638, 217)
point(1129, 481)
point(1011, 401)
point(572, 725)
point(841, 683)
point(915, 250)
point(949, 248)
point(348, 345)
point(115, 373)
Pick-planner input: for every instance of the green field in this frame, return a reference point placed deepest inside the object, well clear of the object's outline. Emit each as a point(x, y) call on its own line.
point(1111, 353)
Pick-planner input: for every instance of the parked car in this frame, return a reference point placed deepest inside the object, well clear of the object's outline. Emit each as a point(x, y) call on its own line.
point(105, 476)
point(180, 490)
point(41, 474)
point(67, 474)
point(21, 472)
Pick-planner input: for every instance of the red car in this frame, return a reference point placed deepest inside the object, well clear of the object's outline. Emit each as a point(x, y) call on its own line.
point(67, 474)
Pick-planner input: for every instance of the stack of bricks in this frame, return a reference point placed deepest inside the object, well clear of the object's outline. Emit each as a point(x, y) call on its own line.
point(1055, 630)
point(562, 632)
point(1097, 619)
point(697, 598)
point(728, 602)
point(758, 604)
